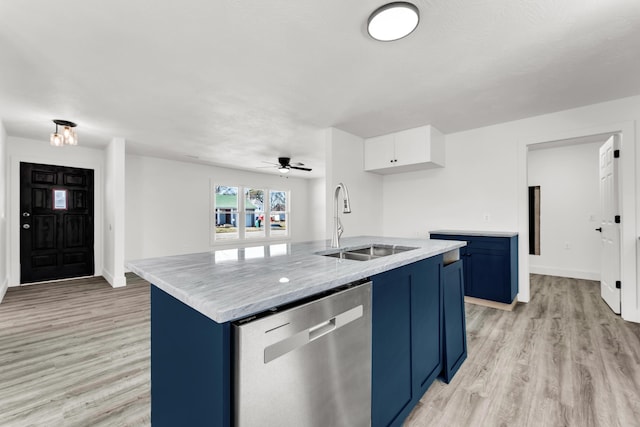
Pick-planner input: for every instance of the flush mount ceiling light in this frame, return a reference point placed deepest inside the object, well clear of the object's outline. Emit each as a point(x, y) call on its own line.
point(393, 21)
point(68, 135)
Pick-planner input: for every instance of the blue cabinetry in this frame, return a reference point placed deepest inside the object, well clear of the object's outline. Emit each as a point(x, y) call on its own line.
point(406, 338)
point(190, 365)
point(455, 336)
point(418, 333)
point(490, 265)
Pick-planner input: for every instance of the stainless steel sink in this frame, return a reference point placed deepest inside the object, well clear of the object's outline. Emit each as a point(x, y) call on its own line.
point(381, 250)
point(366, 253)
point(350, 255)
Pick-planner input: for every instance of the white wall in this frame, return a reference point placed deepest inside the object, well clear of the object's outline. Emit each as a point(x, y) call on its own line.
point(168, 204)
point(570, 210)
point(26, 150)
point(317, 208)
point(474, 183)
point(345, 163)
point(486, 175)
point(165, 204)
point(4, 247)
point(114, 211)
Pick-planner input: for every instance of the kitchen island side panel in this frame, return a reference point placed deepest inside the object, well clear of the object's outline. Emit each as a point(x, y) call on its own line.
point(407, 325)
point(190, 365)
point(455, 330)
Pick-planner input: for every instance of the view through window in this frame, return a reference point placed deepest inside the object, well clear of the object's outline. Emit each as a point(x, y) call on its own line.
point(259, 214)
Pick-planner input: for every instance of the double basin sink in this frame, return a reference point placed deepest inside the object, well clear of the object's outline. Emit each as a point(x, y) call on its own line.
point(366, 253)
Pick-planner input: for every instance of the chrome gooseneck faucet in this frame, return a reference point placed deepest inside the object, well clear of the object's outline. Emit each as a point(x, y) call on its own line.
point(337, 225)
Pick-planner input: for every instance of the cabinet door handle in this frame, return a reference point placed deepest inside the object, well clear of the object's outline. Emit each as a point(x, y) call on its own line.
point(599, 229)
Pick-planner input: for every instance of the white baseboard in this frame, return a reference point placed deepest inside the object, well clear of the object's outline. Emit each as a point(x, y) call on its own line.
point(574, 274)
point(634, 317)
point(115, 282)
point(3, 288)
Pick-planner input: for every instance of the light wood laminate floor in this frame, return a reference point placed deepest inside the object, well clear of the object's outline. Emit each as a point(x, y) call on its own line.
point(76, 353)
point(564, 359)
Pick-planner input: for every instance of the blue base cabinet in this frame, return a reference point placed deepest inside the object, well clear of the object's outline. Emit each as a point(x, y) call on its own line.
point(418, 333)
point(490, 265)
point(455, 335)
point(406, 338)
point(190, 365)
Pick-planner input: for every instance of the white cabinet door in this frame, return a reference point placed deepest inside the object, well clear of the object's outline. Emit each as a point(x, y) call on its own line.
point(411, 146)
point(407, 150)
point(378, 152)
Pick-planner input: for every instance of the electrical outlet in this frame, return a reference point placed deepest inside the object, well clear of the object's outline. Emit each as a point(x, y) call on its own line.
point(487, 217)
point(567, 245)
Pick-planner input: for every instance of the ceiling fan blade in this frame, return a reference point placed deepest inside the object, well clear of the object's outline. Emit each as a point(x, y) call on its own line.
point(299, 168)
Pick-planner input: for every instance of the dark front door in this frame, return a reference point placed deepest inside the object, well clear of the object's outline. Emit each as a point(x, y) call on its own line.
point(56, 222)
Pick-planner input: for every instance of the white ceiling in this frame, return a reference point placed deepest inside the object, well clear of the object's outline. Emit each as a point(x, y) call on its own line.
point(239, 82)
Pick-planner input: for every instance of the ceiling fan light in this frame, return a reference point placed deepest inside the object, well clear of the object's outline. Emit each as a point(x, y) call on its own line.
point(283, 169)
point(393, 21)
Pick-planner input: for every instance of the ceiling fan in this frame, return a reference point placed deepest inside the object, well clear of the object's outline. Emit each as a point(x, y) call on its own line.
point(284, 165)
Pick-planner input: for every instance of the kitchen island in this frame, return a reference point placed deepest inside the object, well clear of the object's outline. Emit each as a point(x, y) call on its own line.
point(195, 297)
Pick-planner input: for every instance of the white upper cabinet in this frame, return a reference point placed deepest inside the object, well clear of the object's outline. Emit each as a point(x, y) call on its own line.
point(379, 152)
point(407, 150)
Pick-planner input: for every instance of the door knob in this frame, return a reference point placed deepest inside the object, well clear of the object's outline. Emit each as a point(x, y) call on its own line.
point(599, 229)
point(26, 214)
point(26, 226)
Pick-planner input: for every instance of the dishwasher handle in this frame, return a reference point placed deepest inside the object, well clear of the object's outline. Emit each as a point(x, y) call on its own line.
point(303, 338)
point(321, 329)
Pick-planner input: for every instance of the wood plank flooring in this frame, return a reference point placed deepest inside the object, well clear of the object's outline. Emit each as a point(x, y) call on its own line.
point(76, 353)
point(564, 359)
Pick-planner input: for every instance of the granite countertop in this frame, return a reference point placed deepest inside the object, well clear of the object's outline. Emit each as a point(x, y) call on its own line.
point(477, 233)
point(228, 284)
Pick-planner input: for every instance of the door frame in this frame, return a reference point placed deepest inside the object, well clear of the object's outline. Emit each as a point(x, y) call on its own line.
point(13, 224)
point(628, 182)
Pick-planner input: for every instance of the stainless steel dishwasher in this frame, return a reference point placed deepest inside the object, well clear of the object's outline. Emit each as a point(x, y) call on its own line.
point(306, 364)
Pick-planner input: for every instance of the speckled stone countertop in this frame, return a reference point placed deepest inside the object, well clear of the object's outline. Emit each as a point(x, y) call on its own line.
point(228, 284)
point(476, 233)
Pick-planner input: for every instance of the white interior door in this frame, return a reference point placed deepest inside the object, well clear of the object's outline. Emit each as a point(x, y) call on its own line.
point(610, 272)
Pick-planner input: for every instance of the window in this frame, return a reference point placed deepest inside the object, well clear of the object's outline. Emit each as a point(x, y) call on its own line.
point(254, 213)
point(226, 213)
point(261, 214)
point(278, 212)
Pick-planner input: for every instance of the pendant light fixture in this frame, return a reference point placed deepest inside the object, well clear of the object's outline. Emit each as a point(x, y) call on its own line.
point(68, 135)
point(393, 21)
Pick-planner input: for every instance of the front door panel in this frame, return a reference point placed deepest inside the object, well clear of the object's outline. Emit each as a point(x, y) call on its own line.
point(56, 222)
